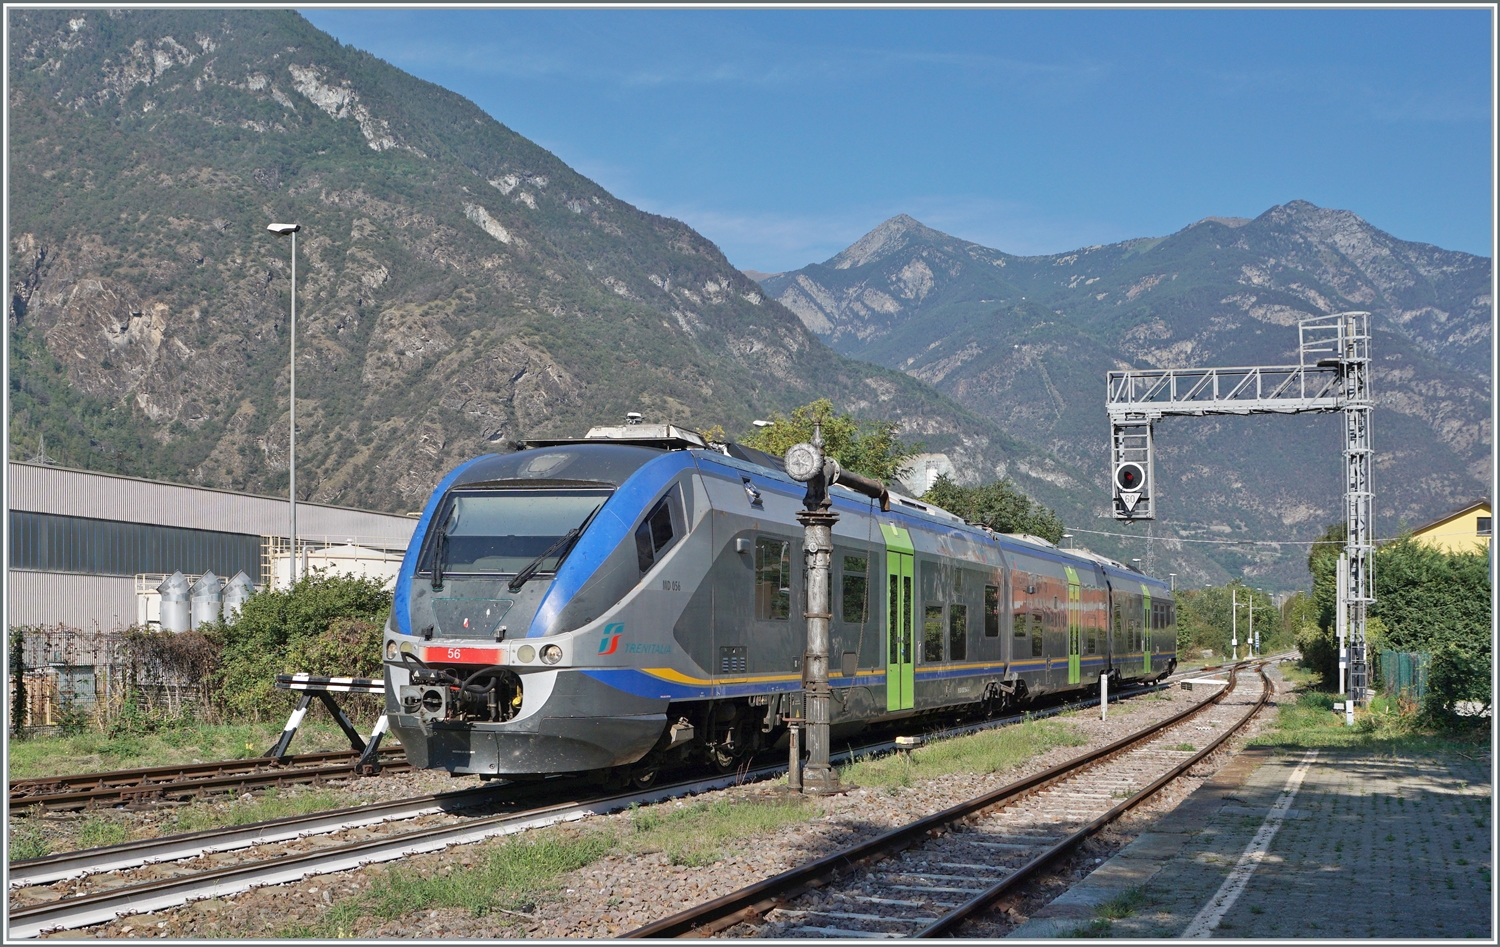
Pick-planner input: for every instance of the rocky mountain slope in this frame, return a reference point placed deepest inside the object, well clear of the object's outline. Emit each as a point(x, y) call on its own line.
point(1028, 340)
point(459, 287)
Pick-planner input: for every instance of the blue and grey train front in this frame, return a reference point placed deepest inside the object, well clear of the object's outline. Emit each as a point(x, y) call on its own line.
point(513, 563)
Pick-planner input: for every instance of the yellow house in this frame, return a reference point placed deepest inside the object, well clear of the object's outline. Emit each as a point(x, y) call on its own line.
point(1465, 530)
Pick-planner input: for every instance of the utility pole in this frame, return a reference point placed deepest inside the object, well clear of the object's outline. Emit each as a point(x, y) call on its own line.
point(806, 463)
point(1234, 617)
point(282, 230)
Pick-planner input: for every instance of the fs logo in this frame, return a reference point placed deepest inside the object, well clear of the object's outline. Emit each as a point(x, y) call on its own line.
point(611, 640)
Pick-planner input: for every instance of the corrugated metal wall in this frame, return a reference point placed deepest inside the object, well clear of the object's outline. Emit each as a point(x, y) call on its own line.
point(105, 602)
point(44, 489)
point(86, 601)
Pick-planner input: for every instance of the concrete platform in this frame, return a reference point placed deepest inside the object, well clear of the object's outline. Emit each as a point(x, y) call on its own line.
point(1288, 843)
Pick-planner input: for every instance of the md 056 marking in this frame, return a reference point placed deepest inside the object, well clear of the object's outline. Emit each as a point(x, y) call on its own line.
point(634, 599)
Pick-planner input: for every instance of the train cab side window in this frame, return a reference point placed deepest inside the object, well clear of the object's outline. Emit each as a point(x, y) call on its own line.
point(856, 586)
point(1036, 635)
point(773, 578)
point(958, 632)
point(654, 534)
point(991, 611)
point(932, 634)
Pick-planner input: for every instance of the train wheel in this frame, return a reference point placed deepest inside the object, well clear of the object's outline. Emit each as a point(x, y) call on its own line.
point(643, 774)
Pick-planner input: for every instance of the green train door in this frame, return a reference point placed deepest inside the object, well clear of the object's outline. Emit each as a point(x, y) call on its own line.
point(1146, 627)
point(900, 675)
point(1075, 627)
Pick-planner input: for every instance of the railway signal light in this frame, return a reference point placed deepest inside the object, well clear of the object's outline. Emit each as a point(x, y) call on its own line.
point(1130, 477)
point(1130, 485)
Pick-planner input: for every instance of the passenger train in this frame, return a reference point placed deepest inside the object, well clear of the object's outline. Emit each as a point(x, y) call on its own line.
point(635, 598)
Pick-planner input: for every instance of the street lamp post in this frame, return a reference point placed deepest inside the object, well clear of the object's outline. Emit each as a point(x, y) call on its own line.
point(806, 463)
point(282, 230)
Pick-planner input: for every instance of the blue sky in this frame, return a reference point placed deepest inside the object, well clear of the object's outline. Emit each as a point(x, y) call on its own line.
point(784, 135)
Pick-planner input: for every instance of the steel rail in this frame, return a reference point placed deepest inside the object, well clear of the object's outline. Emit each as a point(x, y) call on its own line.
point(953, 919)
point(53, 868)
point(20, 789)
point(758, 898)
point(85, 910)
point(257, 778)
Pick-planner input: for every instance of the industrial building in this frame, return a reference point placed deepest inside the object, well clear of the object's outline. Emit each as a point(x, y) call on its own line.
point(87, 550)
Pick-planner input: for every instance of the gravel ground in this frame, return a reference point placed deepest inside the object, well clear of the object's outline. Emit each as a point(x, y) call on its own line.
point(620, 892)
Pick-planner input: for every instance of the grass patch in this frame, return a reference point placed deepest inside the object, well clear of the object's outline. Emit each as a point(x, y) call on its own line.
point(274, 803)
point(29, 841)
point(988, 751)
point(694, 834)
point(99, 831)
point(1126, 904)
point(1185, 747)
point(504, 877)
point(92, 752)
point(1312, 722)
point(513, 875)
point(1098, 927)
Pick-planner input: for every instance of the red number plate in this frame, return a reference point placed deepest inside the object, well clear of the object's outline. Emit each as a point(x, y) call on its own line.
point(461, 655)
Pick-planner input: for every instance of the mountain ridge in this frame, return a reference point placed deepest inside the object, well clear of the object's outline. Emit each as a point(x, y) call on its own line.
point(1028, 341)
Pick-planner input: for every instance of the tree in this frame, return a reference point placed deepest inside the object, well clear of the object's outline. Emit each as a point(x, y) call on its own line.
point(1205, 619)
point(1000, 505)
point(865, 447)
point(278, 628)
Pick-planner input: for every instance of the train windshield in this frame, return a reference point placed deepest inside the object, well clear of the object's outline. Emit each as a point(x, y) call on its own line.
point(503, 532)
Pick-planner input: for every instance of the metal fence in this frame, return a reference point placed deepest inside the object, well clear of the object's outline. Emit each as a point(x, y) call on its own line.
point(89, 678)
point(1404, 673)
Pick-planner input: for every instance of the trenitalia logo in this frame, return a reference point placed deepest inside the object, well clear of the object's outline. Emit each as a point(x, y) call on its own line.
point(611, 640)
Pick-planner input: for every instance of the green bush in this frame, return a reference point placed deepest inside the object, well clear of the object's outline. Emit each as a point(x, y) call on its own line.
point(325, 623)
point(1453, 676)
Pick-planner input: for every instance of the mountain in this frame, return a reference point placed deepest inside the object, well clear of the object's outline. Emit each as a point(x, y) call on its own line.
point(459, 288)
point(1027, 341)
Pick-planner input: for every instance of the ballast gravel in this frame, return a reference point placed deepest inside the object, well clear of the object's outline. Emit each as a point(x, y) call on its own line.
point(620, 892)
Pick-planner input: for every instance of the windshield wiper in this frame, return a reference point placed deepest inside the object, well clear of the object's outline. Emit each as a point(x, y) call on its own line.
point(531, 567)
point(437, 561)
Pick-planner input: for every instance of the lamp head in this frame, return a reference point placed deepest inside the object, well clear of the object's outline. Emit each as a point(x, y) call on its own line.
point(281, 230)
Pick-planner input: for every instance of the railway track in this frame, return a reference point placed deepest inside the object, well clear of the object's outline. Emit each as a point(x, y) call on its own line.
point(177, 783)
point(88, 903)
point(930, 877)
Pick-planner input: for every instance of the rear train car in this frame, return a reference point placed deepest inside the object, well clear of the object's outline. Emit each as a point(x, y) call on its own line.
point(635, 599)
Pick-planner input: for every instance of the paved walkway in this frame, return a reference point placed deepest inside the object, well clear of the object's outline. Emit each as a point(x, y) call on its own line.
point(1290, 843)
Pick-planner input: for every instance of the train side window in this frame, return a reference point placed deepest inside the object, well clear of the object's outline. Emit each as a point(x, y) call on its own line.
point(856, 585)
point(991, 611)
point(1091, 643)
point(1018, 624)
point(773, 577)
point(932, 634)
point(958, 632)
point(653, 535)
point(1036, 635)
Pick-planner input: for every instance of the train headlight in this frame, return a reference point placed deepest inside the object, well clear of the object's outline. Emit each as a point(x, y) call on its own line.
point(390, 650)
point(551, 654)
point(526, 654)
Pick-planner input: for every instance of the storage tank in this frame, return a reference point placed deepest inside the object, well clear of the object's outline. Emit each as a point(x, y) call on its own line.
point(208, 599)
point(236, 592)
point(176, 614)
